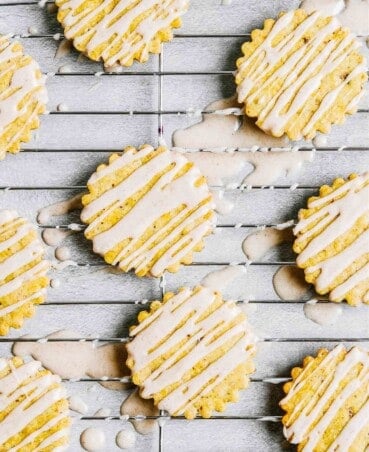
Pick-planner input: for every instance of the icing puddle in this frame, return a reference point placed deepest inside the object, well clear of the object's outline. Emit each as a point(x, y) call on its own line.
point(77, 360)
point(289, 283)
point(258, 243)
point(134, 405)
point(220, 279)
point(322, 313)
point(60, 208)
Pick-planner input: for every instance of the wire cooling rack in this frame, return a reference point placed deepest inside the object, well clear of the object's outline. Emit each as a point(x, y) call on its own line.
point(93, 114)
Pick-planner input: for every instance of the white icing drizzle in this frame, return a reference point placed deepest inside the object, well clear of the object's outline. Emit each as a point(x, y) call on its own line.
point(116, 26)
point(200, 339)
point(78, 405)
point(60, 208)
point(337, 213)
point(39, 397)
point(24, 82)
point(33, 251)
point(302, 73)
point(309, 421)
point(168, 193)
point(351, 13)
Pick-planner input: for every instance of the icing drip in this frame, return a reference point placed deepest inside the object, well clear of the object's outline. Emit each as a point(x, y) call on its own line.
point(25, 90)
point(305, 68)
point(78, 405)
point(29, 394)
point(60, 208)
point(20, 266)
point(77, 359)
point(133, 406)
point(218, 280)
point(176, 189)
point(53, 236)
point(289, 283)
point(93, 439)
point(126, 30)
point(322, 313)
point(125, 439)
point(196, 338)
point(314, 415)
point(258, 243)
point(337, 212)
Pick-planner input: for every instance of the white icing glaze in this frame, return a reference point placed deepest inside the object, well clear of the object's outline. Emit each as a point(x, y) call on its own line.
point(54, 236)
point(218, 280)
point(24, 82)
point(116, 24)
point(322, 313)
point(76, 360)
point(39, 397)
point(199, 338)
point(301, 73)
point(308, 422)
point(103, 412)
point(289, 283)
point(258, 243)
point(125, 439)
point(33, 251)
point(222, 205)
point(63, 49)
point(337, 216)
point(167, 194)
point(328, 7)
point(62, 253)
point(93, 439)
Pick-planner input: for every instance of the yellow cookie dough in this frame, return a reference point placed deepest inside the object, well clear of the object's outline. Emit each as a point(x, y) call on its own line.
point(120, 31)
point(300, 74)
point(191, 353)
point(23, 269)
point(34, 412)
point(332, 240)
point(22, 96)
point(148, 210)
point(327, 402)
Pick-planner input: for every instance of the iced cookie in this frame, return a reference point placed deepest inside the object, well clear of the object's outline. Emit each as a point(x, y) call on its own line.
point(300, 74)
point(332, 240)
point(22, 96)
point(191, 353)
point(34, 410)
point(23, 269)
point(120, 31)
point(327, 402)
point(147, 210)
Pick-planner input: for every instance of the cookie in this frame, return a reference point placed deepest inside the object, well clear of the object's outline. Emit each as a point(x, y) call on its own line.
point(327, 402)
point(23, 96)
point(300, 74)
point(119, 31)
point(332, 240)
point(33, 410)
point(191, 353)
point(23, 269)
point(147, 210)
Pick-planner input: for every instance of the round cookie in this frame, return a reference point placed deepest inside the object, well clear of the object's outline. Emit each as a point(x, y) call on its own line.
point(191, 353)
point(148, 210)
point(327, 402)
point(23, 269)
point(300, 74)
point(34, 411)
point(23, 96)
point(332, 240)
point(120, 31)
